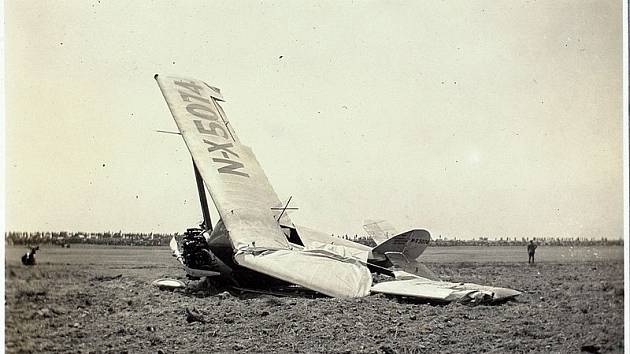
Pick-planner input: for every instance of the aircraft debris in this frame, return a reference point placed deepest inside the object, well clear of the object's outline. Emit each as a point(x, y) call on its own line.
point(106, 277)
point(194, 317)
point(255, 244)
point(168, 284)
point(224, 295)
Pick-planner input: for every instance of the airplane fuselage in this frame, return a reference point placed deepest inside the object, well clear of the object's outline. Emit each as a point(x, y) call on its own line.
point(219, 243)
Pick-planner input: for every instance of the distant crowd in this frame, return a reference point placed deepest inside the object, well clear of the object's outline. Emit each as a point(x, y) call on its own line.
point(66, 238)
point(485, 241)
point(540, 241)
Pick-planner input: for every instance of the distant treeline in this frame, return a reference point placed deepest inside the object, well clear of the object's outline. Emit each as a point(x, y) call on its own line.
point(523, 242)
point(484, 241)
point(66, 238)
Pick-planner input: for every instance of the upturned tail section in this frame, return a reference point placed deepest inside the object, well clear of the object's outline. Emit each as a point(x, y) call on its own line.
point(410, 244)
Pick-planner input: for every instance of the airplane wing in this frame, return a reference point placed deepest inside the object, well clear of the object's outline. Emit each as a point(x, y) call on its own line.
point(236, 183)
point(414, 286)
point(318, 269)
point(244, 197)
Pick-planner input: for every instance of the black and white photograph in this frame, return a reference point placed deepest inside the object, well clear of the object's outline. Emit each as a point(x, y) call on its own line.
point(315, 176)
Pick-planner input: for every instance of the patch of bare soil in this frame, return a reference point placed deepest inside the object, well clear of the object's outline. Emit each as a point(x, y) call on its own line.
point(87, 308)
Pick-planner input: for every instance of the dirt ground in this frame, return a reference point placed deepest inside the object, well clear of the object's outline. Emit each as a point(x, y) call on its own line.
point(99, 299)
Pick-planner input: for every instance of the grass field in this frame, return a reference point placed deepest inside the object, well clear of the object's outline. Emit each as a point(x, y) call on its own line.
point(99, 299)
point(108, 255)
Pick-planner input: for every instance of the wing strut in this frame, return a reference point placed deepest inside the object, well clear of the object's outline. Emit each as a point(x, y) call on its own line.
point(207, 223)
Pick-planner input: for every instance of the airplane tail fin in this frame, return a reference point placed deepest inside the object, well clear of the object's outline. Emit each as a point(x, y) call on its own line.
point(403, 250)
point(410, 244)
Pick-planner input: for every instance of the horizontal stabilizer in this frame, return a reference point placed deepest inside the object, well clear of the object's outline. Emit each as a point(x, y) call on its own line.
point(410, 266)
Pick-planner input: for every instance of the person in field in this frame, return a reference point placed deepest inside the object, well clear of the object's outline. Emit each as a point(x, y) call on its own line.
point(531, 250)
point(28, 258)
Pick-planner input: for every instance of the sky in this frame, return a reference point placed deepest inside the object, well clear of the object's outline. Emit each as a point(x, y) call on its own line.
point(469, 119)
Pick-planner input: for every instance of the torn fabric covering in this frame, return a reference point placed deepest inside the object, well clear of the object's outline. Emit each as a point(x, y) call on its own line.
point(422, 288)
point(342, 251)
point(319, 270)
point(313, 239)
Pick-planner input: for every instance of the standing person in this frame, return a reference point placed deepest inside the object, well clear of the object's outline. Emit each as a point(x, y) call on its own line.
point(531, 250)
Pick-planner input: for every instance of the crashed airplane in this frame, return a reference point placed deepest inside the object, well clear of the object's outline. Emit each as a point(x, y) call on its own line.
point(255, 243)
